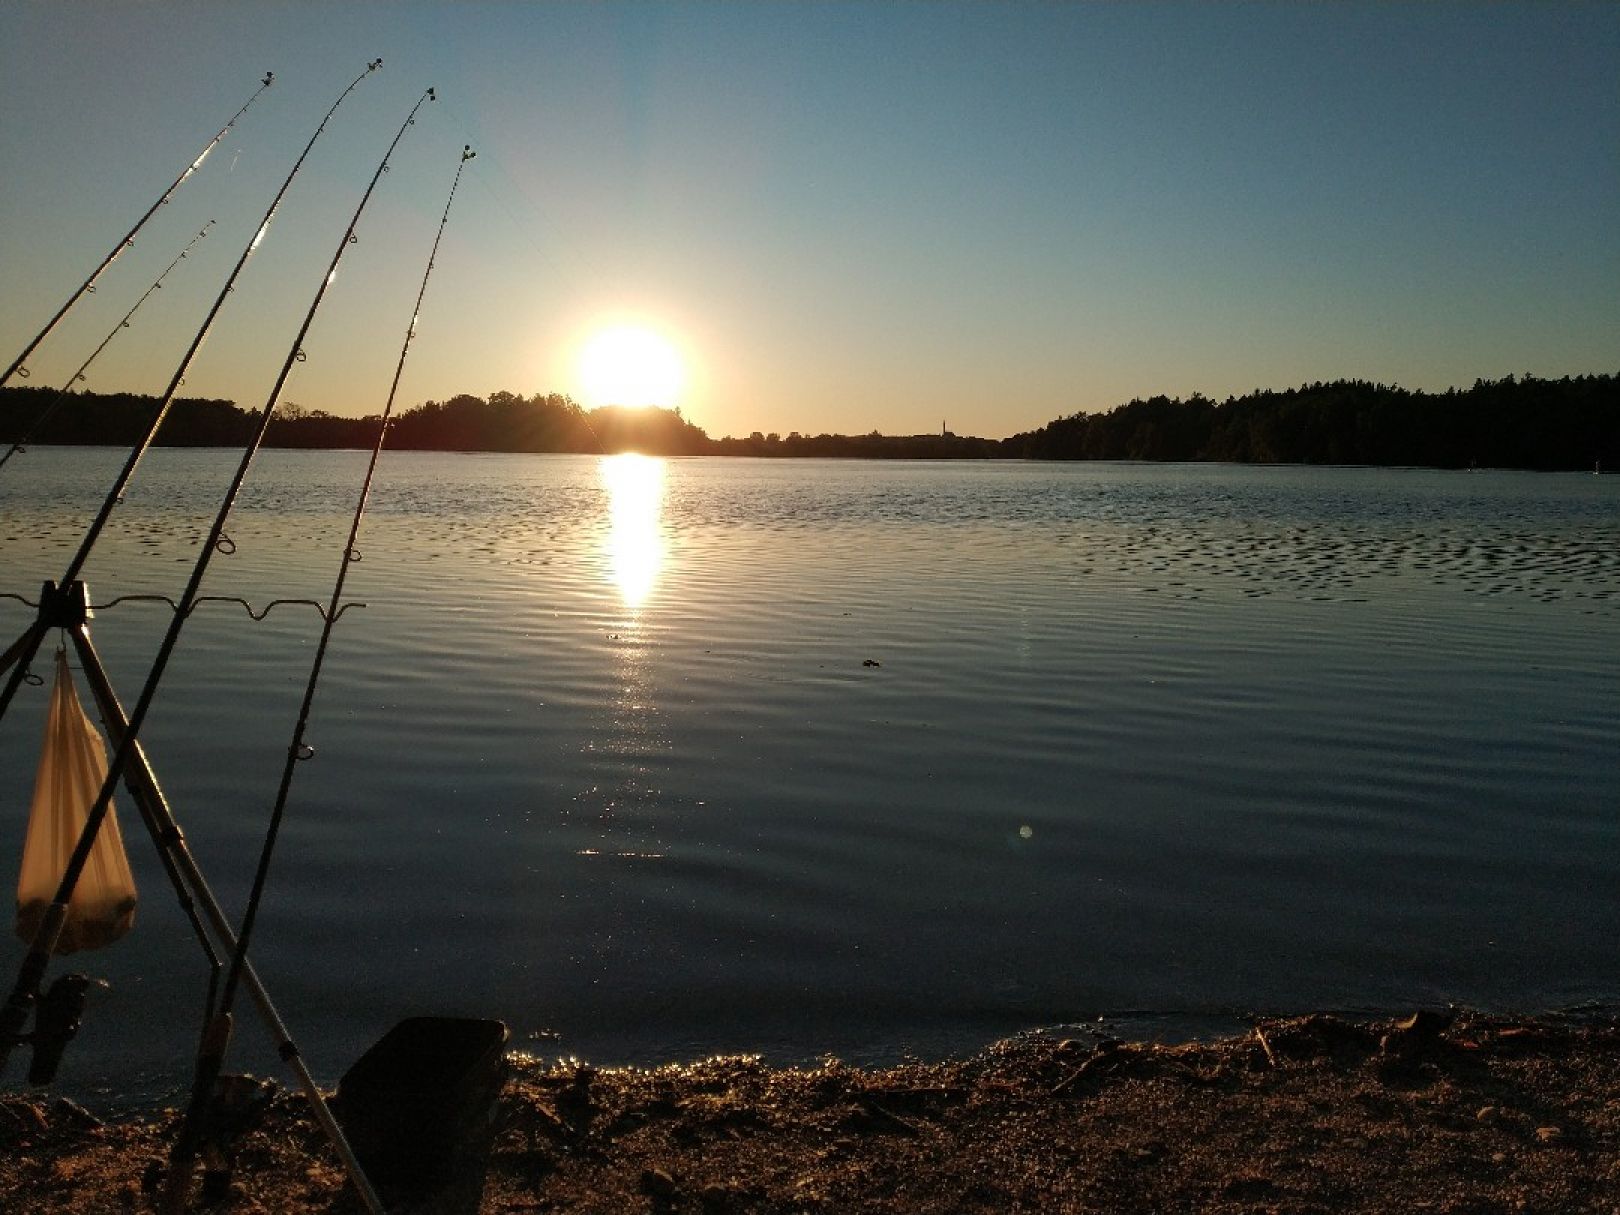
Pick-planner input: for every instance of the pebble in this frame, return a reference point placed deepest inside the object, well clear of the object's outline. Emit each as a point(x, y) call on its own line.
point(1549, 1134)
point(29, 1116)
point(75, 1114)
point(657, 1183)
point(1425, 1023)
point(716, 1197)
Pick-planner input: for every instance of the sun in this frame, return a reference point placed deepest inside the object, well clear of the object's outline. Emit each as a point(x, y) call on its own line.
point(630, 365)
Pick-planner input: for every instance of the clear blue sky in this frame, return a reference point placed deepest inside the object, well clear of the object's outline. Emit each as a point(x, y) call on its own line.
point(847, 216)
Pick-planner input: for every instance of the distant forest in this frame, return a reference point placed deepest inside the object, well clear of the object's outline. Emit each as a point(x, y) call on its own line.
point(1525, 422)
point(1511, 423)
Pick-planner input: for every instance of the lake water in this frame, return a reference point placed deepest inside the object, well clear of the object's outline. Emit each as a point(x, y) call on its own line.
point(656, 759)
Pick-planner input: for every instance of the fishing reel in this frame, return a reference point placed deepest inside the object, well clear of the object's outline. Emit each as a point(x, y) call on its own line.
point(56, 1022)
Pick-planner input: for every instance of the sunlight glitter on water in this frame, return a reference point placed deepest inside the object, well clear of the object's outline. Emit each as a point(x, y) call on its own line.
point(635, 545)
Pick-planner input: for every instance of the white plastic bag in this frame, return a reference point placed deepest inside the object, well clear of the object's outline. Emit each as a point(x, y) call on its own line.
point(72, 768)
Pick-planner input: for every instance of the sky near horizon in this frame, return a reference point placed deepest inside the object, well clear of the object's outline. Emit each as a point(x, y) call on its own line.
point(845, 216)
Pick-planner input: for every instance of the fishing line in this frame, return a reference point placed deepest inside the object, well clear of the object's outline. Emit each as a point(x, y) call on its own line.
point(494, 164)
point(116, 492)
point(60, 394)
point(128, 241)
point(216, 1037)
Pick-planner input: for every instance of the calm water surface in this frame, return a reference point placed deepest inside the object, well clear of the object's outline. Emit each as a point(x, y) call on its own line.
point(658, 759)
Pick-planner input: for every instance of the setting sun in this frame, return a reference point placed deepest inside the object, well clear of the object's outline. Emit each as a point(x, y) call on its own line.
point(630, 365)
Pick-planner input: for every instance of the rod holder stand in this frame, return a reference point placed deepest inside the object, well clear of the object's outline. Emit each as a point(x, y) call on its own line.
point(64, 607)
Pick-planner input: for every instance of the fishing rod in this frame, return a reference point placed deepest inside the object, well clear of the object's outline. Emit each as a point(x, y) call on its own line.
point(45, 939)
point(128, 241)
point(61, 393)
point(179, 1177)
point(54, 598)
point(216, 1038)
point(55, 602)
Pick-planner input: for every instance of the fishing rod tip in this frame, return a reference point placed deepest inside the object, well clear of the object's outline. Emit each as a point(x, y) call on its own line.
point(466, 151)
point(373, 65)
point(432, 96)
point(268, 77)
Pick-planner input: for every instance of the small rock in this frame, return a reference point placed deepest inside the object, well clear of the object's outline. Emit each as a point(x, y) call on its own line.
point(1426, 1023)
point(1549, 1134)
point(657, 1183)
point(1498, 1157)
point(716, 1197)
point(546, 1120)
point(27, 1116)
point(1487, 1113)
point(75, 1114)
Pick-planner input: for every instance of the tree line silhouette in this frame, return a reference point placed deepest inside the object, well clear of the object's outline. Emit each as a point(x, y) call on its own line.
point(504, 422)
point(1523, 422)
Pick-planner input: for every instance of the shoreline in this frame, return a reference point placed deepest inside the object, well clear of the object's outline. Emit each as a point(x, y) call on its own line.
point(1309, 1113)
point(860, 458)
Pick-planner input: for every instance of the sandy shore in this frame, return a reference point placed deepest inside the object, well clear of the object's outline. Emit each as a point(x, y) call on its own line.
point(1306, 1114)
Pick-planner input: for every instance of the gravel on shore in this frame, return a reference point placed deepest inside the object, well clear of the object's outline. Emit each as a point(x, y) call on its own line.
point(1432, 1113)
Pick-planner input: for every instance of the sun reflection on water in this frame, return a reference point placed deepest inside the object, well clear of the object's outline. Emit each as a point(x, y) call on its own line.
point(635, 486)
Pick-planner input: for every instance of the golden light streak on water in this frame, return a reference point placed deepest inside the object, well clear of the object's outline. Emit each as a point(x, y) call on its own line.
point(635, 545)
